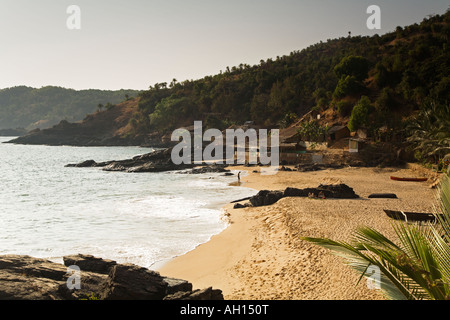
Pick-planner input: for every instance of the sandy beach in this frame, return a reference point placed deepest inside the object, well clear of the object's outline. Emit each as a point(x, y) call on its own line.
point(260, 255)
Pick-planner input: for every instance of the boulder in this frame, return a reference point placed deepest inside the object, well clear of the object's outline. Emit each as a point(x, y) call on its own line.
point(265, 198)
point(131, 282)
point(28, 278)
point(89, 263)
point(84, 164)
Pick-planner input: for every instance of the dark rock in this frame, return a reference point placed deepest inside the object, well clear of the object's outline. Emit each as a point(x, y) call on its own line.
point(265, 198)
point(208, 169)
point(156, 161)
point(177, 285)
point(131, 282)
point(204, 294)
point(84, 164)
point(89, 263)
point(238, 206)
point(28, 278)
point(383, 195)
point(338, 191)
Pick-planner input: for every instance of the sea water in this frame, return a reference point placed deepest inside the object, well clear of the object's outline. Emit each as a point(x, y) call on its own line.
point(48, 210)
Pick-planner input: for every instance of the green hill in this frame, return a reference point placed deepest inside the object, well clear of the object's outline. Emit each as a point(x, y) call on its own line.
point(397, 71)
point(30, 108)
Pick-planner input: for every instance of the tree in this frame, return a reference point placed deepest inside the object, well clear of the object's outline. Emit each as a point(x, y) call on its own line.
point(347, 85)
point(355, 66)
point(429, 130)
point(360, 114)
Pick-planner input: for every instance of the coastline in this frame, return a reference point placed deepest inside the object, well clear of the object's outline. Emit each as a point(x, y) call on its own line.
point(259, 255)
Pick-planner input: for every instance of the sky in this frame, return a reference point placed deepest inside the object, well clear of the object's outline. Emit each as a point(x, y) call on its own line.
point(132, 44)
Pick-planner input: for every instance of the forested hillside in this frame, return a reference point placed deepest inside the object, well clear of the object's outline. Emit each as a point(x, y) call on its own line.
point(30, 108)
point(397, 72)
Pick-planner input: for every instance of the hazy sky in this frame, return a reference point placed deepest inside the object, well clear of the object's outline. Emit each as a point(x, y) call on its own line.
point(135, 43)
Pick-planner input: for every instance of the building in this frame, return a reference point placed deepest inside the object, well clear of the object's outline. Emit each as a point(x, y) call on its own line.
point(289, 152)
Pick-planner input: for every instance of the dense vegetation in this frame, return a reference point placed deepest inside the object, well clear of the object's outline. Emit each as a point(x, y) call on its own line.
point(25, 107)
point(376, 81)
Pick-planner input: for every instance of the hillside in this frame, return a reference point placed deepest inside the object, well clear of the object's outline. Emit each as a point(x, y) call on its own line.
point(371, 83)
point(398, 71)
point(30, 108)
point(103, 128)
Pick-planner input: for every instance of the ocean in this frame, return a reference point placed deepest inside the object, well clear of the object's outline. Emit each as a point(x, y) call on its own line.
point(48, 210)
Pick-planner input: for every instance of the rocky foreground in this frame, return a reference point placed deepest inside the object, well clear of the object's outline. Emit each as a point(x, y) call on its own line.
point(28, 278)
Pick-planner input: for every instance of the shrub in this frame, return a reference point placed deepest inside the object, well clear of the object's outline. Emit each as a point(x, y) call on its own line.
point(360, 114)
point(344, 107)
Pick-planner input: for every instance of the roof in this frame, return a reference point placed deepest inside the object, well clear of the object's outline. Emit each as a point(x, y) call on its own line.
point(337, 128)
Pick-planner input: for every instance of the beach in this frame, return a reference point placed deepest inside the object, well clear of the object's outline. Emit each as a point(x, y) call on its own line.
point(260, 255)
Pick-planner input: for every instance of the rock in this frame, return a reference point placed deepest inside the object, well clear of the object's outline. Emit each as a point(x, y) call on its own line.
point(89, 263)
point(131, 282)
point(156, 161)
point(204, 294)
point(265, 197)
point(84, 164)
point(238, 206)
point(28, 278)
point(338, 191)
point(177, 285)
point(208, 169)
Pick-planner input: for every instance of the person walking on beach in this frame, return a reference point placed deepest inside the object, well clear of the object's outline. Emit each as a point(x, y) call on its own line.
point(239, 176)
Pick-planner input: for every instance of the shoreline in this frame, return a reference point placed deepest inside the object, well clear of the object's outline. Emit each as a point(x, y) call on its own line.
point(259, 255)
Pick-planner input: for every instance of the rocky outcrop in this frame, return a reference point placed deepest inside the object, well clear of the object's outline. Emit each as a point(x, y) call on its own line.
point(28, 278)
point(156, 161)
point(213, 168)
point(268, 197)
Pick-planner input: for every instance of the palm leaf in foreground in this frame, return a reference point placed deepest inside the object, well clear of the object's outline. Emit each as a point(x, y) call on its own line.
point(417, 268)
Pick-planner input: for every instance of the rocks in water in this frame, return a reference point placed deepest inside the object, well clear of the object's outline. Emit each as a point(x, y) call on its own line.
point(214, 168)
point(337, 191)
point(226, 174)
point(156, 161)
point(28, 278)
point(84, 164)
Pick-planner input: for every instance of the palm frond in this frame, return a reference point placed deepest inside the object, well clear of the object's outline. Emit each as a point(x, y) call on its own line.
point(416, 268)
